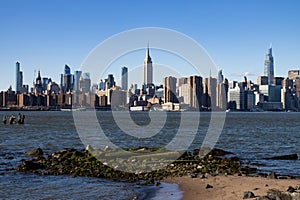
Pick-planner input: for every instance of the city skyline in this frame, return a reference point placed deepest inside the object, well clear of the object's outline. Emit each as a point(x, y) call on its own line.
point(271, 93)
point(235, 34)
point(70, 79)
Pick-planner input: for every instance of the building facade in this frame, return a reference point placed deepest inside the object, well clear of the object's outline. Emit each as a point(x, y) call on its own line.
point(124, 78)
point(170, 89)
point(269, 66)
point(18, 78)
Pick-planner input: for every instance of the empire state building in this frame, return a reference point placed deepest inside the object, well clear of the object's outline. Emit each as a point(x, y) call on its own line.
point(148, 69)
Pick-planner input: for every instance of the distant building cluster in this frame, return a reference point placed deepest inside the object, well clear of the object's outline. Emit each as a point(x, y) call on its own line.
point(75, 90)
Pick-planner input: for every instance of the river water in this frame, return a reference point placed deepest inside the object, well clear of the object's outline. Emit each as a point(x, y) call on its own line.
point(251, 136)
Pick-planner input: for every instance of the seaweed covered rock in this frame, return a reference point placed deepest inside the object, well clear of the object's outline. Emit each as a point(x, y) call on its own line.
point(36, 152)
point(83, 163)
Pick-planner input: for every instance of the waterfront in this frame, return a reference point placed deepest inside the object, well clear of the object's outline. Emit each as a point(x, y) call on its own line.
point(251, 136)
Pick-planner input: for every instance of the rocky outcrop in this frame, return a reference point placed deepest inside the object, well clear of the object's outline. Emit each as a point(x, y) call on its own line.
point(82, 163)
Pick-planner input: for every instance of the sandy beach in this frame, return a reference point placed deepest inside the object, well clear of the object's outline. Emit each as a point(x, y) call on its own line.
point(228, 187)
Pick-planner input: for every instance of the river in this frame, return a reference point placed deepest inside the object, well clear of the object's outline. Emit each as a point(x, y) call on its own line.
point(251, 136)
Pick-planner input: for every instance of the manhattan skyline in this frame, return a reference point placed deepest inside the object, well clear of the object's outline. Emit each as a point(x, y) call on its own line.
point(235, 34)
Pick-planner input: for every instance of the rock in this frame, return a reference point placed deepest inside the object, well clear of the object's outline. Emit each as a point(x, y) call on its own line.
point(203, 176)
point(291, 189)
point(219, 152)
point(248, 195)
point(29, 166)
point(107, 148)
point(36, 152)
point(89, 148)
point(248, 170)
point(284, 157)
point(234, 158)
point(278, 195)
point(209, 186)
point(272, 175)
point(157, 183)
point(82, 163)
point(193, 175)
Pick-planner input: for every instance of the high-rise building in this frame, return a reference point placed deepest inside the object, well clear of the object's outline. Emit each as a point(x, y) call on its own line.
point(236, 98)
point(277, 80)
point(67, 79)
point(45, 82)
point(262, 80)
point(68, 82)
point(124, 78)
point(170, 89)
point(269, 66)
point(220, 77)
point(110, 81)
point(210, 92)
point(182, 81)
point(191, 90)
point(293, 74)
point(221, 97)
point(18, 78)
point(85, 83)
point(148, 69)
point(101, 85)
point(67, 70)
point(21, 82)
point(77, 75)
point(38, 87)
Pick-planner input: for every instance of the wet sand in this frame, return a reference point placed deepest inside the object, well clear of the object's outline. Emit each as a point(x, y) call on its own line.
point(228, 187)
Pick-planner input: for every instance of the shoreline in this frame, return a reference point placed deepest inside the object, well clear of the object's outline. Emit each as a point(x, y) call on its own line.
point(229, 187)
point(170, 191)
point(214, 176)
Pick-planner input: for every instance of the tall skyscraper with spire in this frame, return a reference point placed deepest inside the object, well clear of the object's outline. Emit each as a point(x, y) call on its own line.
point(269, 66)
point(148, 69)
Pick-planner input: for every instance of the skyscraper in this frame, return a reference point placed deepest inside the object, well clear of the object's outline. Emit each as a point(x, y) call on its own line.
point(67, 70)
point(110, 81)
point(191, 89)
point(85, 82)
point(38, 87)
point(148, 69)
point(269, 66)
point(210, 93)
point(77, 75)
point(170, 89)
point(220, 77)
point(18, 78)
point(67, 79)
point(124, 78)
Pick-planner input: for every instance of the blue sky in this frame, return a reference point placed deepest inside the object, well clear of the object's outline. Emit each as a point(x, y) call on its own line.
point(46, 35)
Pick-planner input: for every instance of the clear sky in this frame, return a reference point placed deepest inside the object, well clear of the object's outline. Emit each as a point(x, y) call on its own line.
point(46, 35)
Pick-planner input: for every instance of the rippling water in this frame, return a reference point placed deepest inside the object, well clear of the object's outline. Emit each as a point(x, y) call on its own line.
point(251, 136)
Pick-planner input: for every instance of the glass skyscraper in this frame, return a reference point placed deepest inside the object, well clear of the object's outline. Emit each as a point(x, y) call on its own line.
point(269, 66)
point(124, 78)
